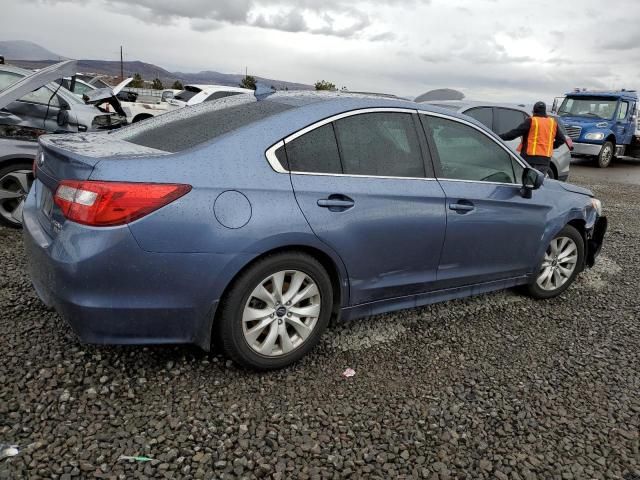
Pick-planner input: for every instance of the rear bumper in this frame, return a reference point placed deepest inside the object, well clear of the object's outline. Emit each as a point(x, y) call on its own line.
point(595, 239)
point(112, 292)
point(586, 149)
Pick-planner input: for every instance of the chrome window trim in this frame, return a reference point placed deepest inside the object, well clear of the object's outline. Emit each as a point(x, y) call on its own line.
point(361, 176)
point(278, 168)
point(273, 160)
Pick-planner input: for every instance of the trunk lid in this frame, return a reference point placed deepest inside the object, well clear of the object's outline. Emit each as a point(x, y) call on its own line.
point(73, 157)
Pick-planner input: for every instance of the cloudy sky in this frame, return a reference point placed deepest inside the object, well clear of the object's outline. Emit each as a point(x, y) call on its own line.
point(490, 49)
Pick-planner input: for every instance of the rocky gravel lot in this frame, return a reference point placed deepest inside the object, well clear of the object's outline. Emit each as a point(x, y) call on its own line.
point(497, 386)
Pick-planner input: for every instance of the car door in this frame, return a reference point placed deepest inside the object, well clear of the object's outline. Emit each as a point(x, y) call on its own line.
point(38, 109)
point(493, 233)
point(363, 185)
point(624, 127)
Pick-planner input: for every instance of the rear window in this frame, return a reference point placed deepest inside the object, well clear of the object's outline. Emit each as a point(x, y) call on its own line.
point(188, 93)
point(191, 126)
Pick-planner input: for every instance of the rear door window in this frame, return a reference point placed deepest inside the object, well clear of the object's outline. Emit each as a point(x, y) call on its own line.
point(482, 114)
point(314, 152)
point(507, 119)
point(380, 144)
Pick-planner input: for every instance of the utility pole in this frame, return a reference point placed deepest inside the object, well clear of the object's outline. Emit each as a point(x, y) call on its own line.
point(121, 65)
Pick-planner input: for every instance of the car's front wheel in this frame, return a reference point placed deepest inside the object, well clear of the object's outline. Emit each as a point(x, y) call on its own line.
point(606, 155)
point(15, 182)
point(560, 265)
point(276, 311)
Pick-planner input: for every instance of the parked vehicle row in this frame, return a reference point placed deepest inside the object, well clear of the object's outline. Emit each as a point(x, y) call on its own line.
point(31, 104)
point(253, 221)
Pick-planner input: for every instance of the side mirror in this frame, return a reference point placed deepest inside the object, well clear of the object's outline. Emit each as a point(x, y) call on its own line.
point(554, 108)
point(63, 117)
point(532, 179)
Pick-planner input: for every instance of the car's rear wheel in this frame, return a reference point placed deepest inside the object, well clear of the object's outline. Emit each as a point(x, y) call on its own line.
point(560, 265)
point(276, 311)
point(15, 182)
point(606, 155)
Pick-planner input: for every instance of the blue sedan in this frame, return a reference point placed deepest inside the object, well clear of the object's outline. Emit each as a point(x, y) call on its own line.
point(253, 222)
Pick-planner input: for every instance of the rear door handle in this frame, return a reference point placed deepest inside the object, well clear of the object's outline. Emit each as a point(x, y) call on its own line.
point(461, 207)
point(336, 203)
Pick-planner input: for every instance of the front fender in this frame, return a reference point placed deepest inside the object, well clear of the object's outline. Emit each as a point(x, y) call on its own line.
point(586, 215)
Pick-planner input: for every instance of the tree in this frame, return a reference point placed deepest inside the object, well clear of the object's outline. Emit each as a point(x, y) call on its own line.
point(324, 85)
point(137, 81)
point(177, 85)
point(157, 84)
point(248, 82)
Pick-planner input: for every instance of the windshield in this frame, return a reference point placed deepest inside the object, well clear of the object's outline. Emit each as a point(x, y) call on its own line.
point(593, 107)
point(186, 94)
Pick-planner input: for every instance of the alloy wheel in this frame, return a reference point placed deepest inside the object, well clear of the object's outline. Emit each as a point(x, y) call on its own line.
point(281, 313)
point(560, 261)
point(606, 156)
point(14, 187)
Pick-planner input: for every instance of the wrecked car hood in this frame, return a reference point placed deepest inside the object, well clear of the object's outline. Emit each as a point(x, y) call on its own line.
point(100, 94)
point(107, 95)
point(36, 80)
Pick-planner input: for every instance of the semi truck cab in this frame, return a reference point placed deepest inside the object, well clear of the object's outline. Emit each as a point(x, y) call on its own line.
point(602, 125)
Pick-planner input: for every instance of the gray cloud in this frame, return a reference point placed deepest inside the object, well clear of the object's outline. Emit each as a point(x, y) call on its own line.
point(621, 41)
point(493, 49)
point(339, 18)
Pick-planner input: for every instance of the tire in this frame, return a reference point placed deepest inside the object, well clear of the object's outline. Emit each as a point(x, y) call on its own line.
point(553, 276)
point(248, 325)
point(605, 157)
point(15, 183)
point(552, 172)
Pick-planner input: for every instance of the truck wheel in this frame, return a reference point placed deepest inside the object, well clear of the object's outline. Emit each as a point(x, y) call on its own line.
point(606, 155)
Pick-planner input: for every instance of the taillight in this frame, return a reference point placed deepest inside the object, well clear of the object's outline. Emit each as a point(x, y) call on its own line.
point(103, 204)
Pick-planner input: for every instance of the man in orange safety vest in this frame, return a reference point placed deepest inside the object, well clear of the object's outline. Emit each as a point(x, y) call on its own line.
point(540, 136)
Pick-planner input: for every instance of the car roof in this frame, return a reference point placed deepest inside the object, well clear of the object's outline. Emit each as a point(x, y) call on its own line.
point(283, 113)
point(466, 104)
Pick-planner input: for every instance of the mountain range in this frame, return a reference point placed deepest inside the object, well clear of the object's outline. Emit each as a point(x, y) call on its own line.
point(31, 55)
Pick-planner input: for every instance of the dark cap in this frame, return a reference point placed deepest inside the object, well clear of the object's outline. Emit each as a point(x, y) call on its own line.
point(540, 108)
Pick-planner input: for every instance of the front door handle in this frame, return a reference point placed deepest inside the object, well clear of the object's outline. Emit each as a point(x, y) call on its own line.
point(462, 206)
point(336, 203)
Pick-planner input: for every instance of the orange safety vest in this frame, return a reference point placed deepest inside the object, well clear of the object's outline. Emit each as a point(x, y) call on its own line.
point(542, 134)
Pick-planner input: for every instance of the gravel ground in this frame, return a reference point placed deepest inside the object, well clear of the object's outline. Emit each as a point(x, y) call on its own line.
point(498, 386)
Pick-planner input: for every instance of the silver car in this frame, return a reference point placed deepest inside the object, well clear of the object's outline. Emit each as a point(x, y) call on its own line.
point(502, 117)
point(31, 104)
